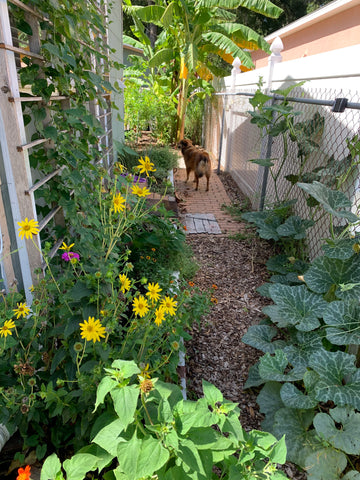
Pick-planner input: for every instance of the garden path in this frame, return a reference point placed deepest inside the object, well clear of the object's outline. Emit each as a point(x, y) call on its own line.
point(232, 266)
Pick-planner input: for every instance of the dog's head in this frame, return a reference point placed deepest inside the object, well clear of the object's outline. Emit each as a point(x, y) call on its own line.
point(185, 143)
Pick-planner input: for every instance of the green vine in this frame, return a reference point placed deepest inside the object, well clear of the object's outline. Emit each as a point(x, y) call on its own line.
point(76, 65)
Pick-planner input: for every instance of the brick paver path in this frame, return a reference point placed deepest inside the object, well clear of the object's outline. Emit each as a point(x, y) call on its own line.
point(200, 202)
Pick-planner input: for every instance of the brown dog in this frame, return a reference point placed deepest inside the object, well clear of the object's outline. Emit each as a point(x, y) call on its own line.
point(197, 160)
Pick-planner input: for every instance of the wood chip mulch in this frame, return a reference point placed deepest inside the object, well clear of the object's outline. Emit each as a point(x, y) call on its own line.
point(215, 352)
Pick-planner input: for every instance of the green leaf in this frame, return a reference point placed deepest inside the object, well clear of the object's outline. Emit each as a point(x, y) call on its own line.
point(141, 457)
point(341, 429)
point(103, 458)
point(128, 368)
point(211, 393)
point(295, 305)
point(264, 162)
point(305, 343)
point(324, 273)
point(205, 438)
point(340, 248)
point(325, 464)
point(125, 402)
point(109, 436)
point(333, 201)
point(273, 368)
point(77, 466)
point(254, 379)
point(294, 398)
point(79, 291)
point(300, 441)
point(278, 452)
point(189, 455)
point(51, 48)
point(152, 13)
point(223, 42)
point(260, 336)
point(51, 467)
point(57, 359)
point(343, 319)
point(162, 56)
point(333, 368)
point(50, 132)
point(105, 386)
point(270, 402)
point(294, 227)
point(352, 475)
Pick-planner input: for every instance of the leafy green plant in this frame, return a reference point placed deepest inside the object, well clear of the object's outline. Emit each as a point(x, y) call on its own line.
point(149, 109)
point(310, 373)
point(149, 430)
point(92, 306)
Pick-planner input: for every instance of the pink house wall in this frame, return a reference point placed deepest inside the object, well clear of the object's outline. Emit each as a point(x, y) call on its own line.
point(338, 31)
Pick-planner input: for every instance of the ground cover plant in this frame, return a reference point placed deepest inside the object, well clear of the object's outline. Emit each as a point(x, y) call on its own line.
point(310, 372)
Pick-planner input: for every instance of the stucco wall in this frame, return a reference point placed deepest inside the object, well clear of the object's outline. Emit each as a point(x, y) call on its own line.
point(331, 33)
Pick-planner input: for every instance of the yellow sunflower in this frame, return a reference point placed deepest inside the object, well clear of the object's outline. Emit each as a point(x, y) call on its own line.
point(153, 291)
point(124, 283)
point(140, 191)
point(65, 247)
point(140, 306)
point(28, 228)
point(146, 166)
point(119, 203)
point(92, 329)
point(159, 315)
point(22, 310)
point(5, 330)
point(169, 305)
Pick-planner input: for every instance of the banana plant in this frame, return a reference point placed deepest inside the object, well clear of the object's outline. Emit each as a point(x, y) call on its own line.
point(194, 33)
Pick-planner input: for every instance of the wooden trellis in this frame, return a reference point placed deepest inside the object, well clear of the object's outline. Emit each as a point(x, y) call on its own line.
point(19, 258)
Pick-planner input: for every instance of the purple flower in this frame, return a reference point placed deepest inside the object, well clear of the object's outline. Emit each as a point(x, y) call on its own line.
point(70, 257)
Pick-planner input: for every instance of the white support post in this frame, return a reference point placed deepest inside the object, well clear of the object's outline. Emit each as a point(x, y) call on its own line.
point(275, 57)
point(228, 104)
point(14, 165)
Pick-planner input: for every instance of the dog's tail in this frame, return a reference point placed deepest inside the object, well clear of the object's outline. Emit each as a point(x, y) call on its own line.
point(202, 165)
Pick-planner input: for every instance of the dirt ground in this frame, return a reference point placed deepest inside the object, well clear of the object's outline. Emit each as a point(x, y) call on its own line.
point(215, 352)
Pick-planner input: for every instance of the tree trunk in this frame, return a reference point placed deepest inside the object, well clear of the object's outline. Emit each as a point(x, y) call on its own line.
point(181, 110)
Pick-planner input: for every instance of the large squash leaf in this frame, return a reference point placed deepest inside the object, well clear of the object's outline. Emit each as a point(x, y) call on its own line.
point(341, 248)
point(300, 441)
point(325, 464)
point(260, 337)
point(295, 398)
point(343, 319)
point(304, 344)
point(333, 201)
point(341, 429)
point(339, 378)
point(342, 275)
point(295, 305)
point(294, 227)
point(273, 368)
point(270, 402)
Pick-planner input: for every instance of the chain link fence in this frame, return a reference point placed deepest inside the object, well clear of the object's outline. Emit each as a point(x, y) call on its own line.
point(241, 141)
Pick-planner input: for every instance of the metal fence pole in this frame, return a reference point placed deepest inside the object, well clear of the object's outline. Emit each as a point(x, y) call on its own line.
point(275, 57)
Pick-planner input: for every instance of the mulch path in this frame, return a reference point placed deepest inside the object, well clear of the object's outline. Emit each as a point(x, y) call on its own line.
point(236, 265)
